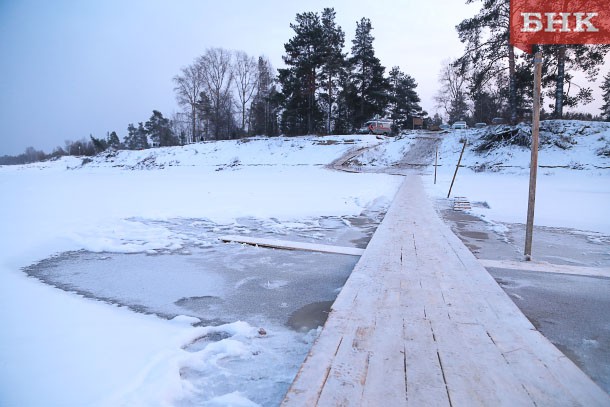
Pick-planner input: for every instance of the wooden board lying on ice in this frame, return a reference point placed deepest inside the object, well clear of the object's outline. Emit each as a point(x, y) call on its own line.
point(546, 267)
point(282, 244)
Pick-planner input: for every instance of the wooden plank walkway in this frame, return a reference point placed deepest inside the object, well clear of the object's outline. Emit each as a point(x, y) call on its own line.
point(421, 323)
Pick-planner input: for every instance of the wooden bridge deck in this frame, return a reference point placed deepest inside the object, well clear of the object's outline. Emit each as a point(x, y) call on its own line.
point(420, 322)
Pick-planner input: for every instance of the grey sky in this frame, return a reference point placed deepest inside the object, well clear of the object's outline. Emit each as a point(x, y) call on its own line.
point(71, 68)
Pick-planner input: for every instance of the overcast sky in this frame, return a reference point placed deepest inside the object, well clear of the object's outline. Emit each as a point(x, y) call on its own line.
point(71, 68)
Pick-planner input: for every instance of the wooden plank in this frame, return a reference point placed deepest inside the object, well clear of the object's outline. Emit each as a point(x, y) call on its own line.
point(283, 244)
point(546, 267)
point(425, 382)
point(386, 378)
point(544, 371)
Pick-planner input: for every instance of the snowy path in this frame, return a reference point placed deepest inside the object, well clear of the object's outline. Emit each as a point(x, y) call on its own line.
point(421, 322)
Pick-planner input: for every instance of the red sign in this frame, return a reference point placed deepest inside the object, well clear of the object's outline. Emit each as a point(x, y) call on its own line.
point(559, 22)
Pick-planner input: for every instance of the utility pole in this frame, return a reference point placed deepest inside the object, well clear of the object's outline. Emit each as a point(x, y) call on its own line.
point(529, 227)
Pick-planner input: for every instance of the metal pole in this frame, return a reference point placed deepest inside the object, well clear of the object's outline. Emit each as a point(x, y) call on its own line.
point(529, 227)
point(456, 168)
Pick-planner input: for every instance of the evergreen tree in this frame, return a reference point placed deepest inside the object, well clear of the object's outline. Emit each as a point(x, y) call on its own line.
point(560, 61)
point(159, 130)
point(346, 105)
point(437, 120)
point(99, 144)
point(333, 65)
point(404, 100)
point(204, 113)
point(304, 57)
point(486, 36)
point(113, 141)
point(606, 97)
point(136, 138)
point(371, 86)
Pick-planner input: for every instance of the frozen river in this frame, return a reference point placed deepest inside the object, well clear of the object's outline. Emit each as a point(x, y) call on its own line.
point(285, 295)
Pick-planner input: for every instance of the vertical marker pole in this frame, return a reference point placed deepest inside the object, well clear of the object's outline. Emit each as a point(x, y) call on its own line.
point(457, 167)
point(529, 227)
point(435, 163)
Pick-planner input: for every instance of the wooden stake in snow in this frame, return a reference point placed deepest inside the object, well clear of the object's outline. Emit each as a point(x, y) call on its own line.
point(435, 163)
point(529, 227)
point(456, 168)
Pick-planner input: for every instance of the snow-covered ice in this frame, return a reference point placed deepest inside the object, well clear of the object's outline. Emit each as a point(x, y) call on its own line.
point(58, 348)
point(61, 348)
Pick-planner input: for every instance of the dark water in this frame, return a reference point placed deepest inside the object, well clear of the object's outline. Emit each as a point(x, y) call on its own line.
point(219, 282)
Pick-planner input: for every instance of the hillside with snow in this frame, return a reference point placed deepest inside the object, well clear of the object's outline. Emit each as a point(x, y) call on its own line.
point(573, 185)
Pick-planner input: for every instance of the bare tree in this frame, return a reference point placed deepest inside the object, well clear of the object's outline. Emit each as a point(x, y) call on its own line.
point(245, 76)
point(452, 94)
point(217, 76)
point(188, 87)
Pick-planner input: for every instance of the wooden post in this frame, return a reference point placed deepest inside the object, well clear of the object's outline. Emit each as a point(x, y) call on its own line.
point(435, 163)
point(529, 227)
point(457, 167)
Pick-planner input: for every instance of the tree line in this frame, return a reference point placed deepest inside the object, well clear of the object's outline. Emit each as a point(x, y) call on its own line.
point(492, 80)
point(327, 91)
point(322, 90)
point(228, 94)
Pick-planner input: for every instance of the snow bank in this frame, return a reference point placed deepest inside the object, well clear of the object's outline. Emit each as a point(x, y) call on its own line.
point(573, 184)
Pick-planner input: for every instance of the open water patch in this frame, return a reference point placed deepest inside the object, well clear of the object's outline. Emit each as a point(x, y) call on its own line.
point(219, 282)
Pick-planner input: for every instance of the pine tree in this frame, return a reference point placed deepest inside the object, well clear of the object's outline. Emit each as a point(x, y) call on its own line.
point(346, 105)
point(367, 75)
point(136, 138)
point(606, 97)
point(488, 51)
point(404, 100)
point(560, 61)
point(113, 141)
point(159, 130)
point(333, 65)
point(304, 57)
point(486, 36)
point(99, 144)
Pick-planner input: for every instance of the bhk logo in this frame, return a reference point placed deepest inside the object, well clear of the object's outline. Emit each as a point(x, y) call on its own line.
point(559, 22)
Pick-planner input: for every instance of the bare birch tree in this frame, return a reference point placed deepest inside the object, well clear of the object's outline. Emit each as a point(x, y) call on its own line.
point(245, 76)
point(188, 87)
point(452, 94)
point(217, 77)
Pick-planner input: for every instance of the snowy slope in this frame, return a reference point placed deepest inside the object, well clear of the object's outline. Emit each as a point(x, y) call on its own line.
point(573, 185)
